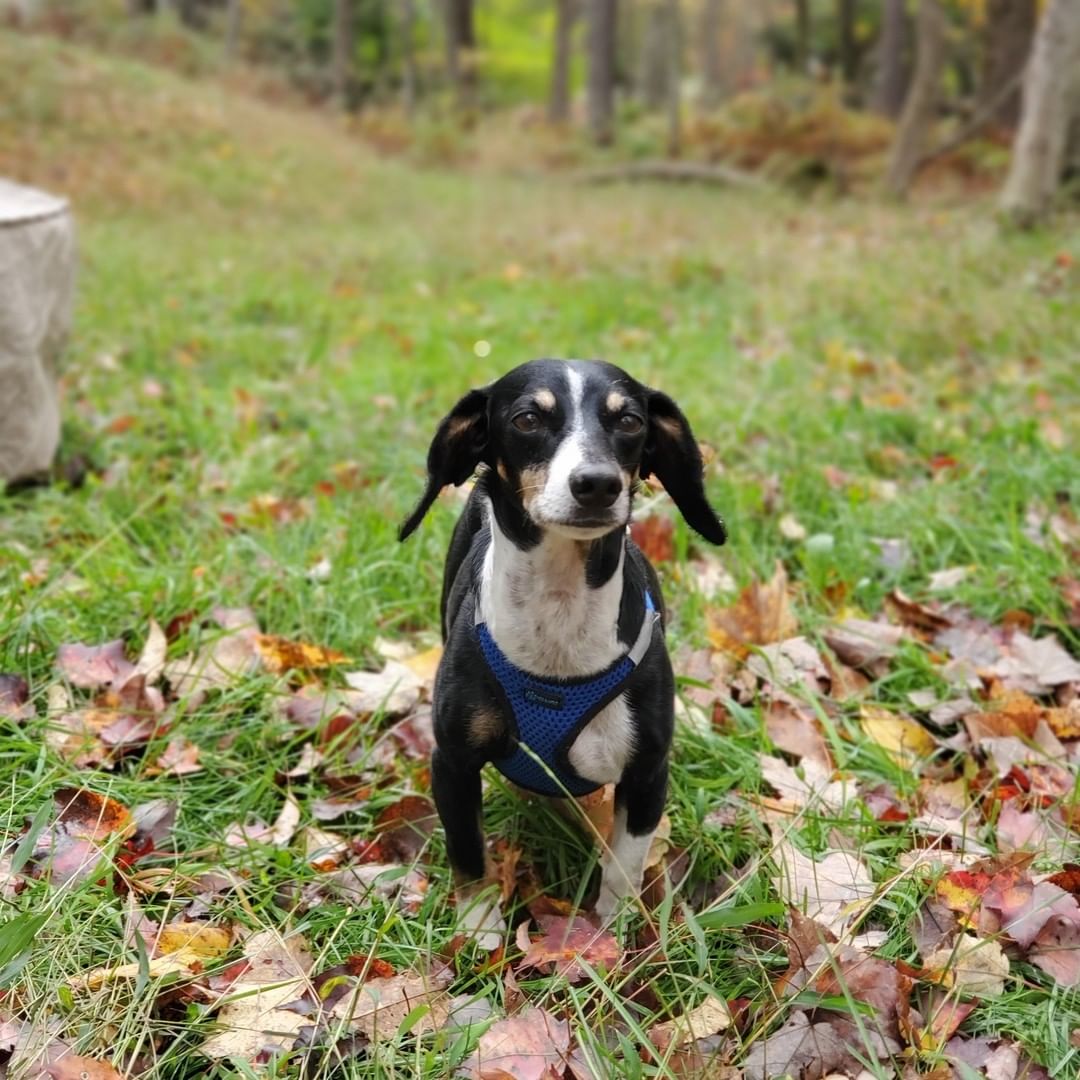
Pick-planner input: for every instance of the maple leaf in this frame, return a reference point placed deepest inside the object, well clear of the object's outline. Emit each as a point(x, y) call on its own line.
point(977, 967)
point(531, 1045)
point(761, 615)
point(91, 667)
point(831, 890)
point(566, 942)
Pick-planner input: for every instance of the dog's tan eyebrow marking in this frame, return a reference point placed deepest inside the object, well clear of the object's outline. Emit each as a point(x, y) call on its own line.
point(615, 401)
point(545, 399)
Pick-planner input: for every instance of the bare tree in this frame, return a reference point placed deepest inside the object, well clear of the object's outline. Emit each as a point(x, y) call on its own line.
point(566, 13)
point(460, 36)
point(602, 21)
point(674, 78)
point(341, 59)
point(1010, 28)
point(891, 77)
point(234, 24)
point(802, 35)
point(655, 55)
point(922, 99)
point(845, 37)
point(713, 83)
point(1039, 150)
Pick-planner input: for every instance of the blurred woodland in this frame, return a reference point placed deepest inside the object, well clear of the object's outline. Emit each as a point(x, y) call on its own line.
point(852, 94)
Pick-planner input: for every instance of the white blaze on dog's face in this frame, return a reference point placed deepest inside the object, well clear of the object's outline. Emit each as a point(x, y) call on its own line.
point(572, 437)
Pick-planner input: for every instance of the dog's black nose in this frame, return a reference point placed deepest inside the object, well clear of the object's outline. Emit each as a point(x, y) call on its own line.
point(595, 488)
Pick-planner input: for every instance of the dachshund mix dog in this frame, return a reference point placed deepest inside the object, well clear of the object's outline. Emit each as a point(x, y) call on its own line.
point(554, 666)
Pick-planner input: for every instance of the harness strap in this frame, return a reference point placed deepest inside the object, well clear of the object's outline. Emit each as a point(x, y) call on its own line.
point(549, 713)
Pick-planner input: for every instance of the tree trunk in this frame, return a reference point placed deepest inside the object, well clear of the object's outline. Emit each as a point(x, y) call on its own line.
point(603, 16)
point(655, 56)
point(1039, 148)
point(566, 13)
point(1010, 28)
point(234, 24)
point(674, 78)
point(460, 38)
point(922, 99)
point(713, 87)
point(845, 38)
point(341, 60)
point(802, 36)
point(891, 78)
point(409, 80)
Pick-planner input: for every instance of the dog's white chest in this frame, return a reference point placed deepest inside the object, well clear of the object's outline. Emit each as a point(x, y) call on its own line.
point(545, 621)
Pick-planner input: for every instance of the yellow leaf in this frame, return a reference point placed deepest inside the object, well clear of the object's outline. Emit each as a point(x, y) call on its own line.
point(424, 664)
point(185, 961)
point(905, 741)
point(279, 654)
point(197, 938)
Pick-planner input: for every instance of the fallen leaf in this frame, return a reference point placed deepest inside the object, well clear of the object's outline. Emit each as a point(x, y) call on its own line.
point(202, 939)
point(230, 656)
point(862, 643)
point(405, 827)
point(565, 943)
point(73, 1067)
point(179, 758)
point(797, 732)
point(360, 884)
point(914, 614)
point(1035, 665)
point(425, 664)
point(655, 536)
point(799, 1048)
point(932, 925)
point(791, 528)
point(279, 655)
point(70, 849)
point(1057, 949)
point(710, 1017)
point(91, 667)
point(831, 890)
point(813, 786)
point(1020, 829)
point(15, 699)
point(393, 691)
point(905, 740)
point(531, 1045)
point(377, 1006)
point(793, 664)
point(151, 662)
point(761, 615)
point(976, 967)
point(946, 580)
point(251, 1020)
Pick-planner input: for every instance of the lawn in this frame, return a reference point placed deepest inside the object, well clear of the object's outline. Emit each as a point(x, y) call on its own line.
point(271, 322)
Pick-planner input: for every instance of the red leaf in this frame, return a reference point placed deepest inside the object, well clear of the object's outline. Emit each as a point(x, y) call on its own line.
point(655, 535)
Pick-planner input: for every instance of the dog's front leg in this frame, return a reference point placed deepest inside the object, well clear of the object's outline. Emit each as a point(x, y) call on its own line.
point(639, 805)
point(457, 790)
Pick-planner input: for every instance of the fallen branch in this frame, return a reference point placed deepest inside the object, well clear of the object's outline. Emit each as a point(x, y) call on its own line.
point(979, 119)
point(687, 172)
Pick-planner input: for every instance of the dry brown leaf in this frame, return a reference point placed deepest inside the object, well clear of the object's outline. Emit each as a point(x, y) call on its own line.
point(975, 966)
point(393, 691)
point(405, 827)
point(797, 732)
point(15, 699)
point(151, 662)
point(230, 656)
point(813, 786)
point(377, 1007)
point(252, 1020)
point(862, 643)
point(425, 664)
point(831, 890)
point(91, 667)
point(565, 943)
point(708, 1018)
point(799, 1048)
point(762, 615)
point(179, 758)
point(655, 535)
point(531, 1045)
point(71, 847)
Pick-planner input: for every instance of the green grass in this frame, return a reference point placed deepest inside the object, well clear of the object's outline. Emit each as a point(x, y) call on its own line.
point(265, 301)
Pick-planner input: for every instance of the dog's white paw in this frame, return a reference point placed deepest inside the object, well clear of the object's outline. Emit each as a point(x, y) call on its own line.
point(480, 918)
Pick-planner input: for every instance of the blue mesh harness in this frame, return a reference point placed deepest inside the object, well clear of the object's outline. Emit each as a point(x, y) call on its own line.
point(550, 713)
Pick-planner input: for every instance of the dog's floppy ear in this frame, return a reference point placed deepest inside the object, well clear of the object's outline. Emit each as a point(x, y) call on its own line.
point(456, 450)
point(672, 454)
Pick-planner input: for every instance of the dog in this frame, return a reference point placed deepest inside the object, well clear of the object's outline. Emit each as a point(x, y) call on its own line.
point(554, 665)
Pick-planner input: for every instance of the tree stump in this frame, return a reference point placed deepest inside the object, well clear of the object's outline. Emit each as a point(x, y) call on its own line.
point(37, 291)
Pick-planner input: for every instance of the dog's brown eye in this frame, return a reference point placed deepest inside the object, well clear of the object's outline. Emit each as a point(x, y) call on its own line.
point(630, 424)
point(527, 422)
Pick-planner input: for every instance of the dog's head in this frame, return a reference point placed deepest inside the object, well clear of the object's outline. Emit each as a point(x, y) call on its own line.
point(568, 441)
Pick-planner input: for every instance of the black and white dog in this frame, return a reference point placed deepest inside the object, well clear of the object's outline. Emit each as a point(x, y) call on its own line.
point(554, 665)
